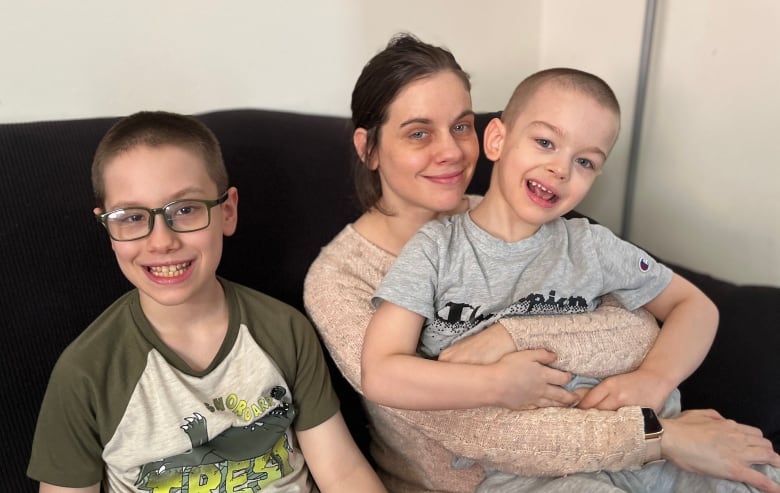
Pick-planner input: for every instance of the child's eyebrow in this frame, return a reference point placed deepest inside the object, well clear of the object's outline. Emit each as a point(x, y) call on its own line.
point(181, 194)
point(549, 126)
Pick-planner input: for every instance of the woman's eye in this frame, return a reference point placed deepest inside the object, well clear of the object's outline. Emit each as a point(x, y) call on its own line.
point(544, 143)
point(418, 135)
point(461, 127)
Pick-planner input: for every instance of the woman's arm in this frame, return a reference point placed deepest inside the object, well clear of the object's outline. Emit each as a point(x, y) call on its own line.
point(618, 340)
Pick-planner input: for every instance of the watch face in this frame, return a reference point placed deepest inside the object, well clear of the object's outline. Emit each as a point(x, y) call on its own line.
point(652, 425)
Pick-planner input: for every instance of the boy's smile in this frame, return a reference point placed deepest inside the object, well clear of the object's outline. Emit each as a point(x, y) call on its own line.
point(169, 268)
point(545, 196)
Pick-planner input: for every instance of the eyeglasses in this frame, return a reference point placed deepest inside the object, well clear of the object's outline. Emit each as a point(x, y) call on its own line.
point(181, 216)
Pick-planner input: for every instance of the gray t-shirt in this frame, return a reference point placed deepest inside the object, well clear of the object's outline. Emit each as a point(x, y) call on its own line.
point(462, 279)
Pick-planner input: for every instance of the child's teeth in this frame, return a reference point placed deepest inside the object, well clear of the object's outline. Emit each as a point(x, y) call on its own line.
point(169, 270)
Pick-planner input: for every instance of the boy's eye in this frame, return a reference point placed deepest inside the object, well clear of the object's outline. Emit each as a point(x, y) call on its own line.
point(185, 209)
point(585, 163)
point(547, 144)
point(131, 217)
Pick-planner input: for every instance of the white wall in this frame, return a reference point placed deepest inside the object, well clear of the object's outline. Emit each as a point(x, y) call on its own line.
point(709, 150)
point(709, 167)
point(96, 58)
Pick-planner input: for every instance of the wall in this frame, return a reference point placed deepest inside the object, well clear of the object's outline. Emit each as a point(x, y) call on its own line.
point(708, 150)
point(708, 158)
point(709, 166)
point(95, 58)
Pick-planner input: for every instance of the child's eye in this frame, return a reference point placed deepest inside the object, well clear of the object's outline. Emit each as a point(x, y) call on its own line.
point(186, 209)
point(134, 218)
point(547, 144)
point(585, 163)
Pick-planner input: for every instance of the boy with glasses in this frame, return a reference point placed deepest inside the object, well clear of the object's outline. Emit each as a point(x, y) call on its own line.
point(188, 382)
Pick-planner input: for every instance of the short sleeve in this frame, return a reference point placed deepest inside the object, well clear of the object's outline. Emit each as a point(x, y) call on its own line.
point(629, 273)
point(411, 281)
point(66, 448)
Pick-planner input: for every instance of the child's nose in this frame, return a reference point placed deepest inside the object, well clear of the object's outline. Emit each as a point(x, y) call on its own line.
point(162, 237)
point(560, 168)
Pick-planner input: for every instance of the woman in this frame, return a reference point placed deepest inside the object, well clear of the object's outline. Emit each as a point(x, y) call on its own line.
point(417, 148)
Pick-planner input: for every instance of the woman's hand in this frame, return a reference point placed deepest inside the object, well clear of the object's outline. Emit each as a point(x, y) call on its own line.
point(482, 348)
point(702, 441)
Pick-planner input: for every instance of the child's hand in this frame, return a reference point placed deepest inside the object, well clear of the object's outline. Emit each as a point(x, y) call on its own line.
point(483, 348)
point(637, 388)
point(530, 383)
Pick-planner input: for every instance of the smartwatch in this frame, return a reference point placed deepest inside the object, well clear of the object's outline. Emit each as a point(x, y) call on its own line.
point(653, 433)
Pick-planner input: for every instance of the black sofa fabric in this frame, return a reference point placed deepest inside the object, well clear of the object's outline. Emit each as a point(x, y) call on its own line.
point(295, 194)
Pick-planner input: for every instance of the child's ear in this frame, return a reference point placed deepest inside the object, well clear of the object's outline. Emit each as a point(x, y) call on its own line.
point(494, 139)
point(360, 141)
point(230, 212)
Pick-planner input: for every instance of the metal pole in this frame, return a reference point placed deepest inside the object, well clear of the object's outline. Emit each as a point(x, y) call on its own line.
point(636, 129)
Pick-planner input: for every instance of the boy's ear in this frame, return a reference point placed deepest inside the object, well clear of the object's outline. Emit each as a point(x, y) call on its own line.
point(230, 212)
point(494, 139)
point(360, 141)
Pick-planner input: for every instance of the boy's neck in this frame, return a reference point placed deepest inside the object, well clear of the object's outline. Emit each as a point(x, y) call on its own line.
point(194, 331)
point(495, 217)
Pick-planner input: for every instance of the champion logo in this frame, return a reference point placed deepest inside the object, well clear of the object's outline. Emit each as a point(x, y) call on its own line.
point(644, 264)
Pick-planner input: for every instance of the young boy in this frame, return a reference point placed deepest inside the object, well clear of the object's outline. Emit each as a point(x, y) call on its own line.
point(188, 382)
point(513, 254)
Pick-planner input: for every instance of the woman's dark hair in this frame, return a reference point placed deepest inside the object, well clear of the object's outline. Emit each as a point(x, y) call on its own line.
point(404, 60)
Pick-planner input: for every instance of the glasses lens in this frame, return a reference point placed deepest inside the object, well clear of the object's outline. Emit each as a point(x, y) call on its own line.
point(187, 215)
point(128, 224)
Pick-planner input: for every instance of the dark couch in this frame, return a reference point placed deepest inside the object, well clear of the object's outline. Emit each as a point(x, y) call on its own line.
point(292, 172)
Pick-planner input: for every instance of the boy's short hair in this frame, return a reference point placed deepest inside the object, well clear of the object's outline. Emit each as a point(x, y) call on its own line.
point(569, 78)
point(154, 129)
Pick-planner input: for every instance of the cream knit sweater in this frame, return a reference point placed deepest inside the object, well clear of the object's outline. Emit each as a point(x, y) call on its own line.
point(414, 449)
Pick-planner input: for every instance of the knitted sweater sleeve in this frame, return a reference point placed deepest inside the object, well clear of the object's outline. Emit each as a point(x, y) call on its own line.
point(543, 442)
point(618, 339)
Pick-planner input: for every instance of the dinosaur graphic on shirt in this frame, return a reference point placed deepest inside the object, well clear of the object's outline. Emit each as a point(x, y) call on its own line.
point(266, 438)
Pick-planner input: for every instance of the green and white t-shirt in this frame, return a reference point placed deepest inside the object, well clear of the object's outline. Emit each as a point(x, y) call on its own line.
point(123, 408)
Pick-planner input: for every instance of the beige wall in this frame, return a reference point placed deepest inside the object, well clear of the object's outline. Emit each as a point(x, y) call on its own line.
point(708, 162)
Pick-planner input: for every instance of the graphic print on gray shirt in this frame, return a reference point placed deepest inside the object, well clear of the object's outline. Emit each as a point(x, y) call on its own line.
point(462, 279)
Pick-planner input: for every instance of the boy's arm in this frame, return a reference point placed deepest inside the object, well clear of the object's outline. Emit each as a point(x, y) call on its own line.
point(335, 462)
point(50, 488)
point(690, 321)
point(394, 375)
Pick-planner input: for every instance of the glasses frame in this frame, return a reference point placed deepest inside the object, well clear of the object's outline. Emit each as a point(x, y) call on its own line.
point(210, 204)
